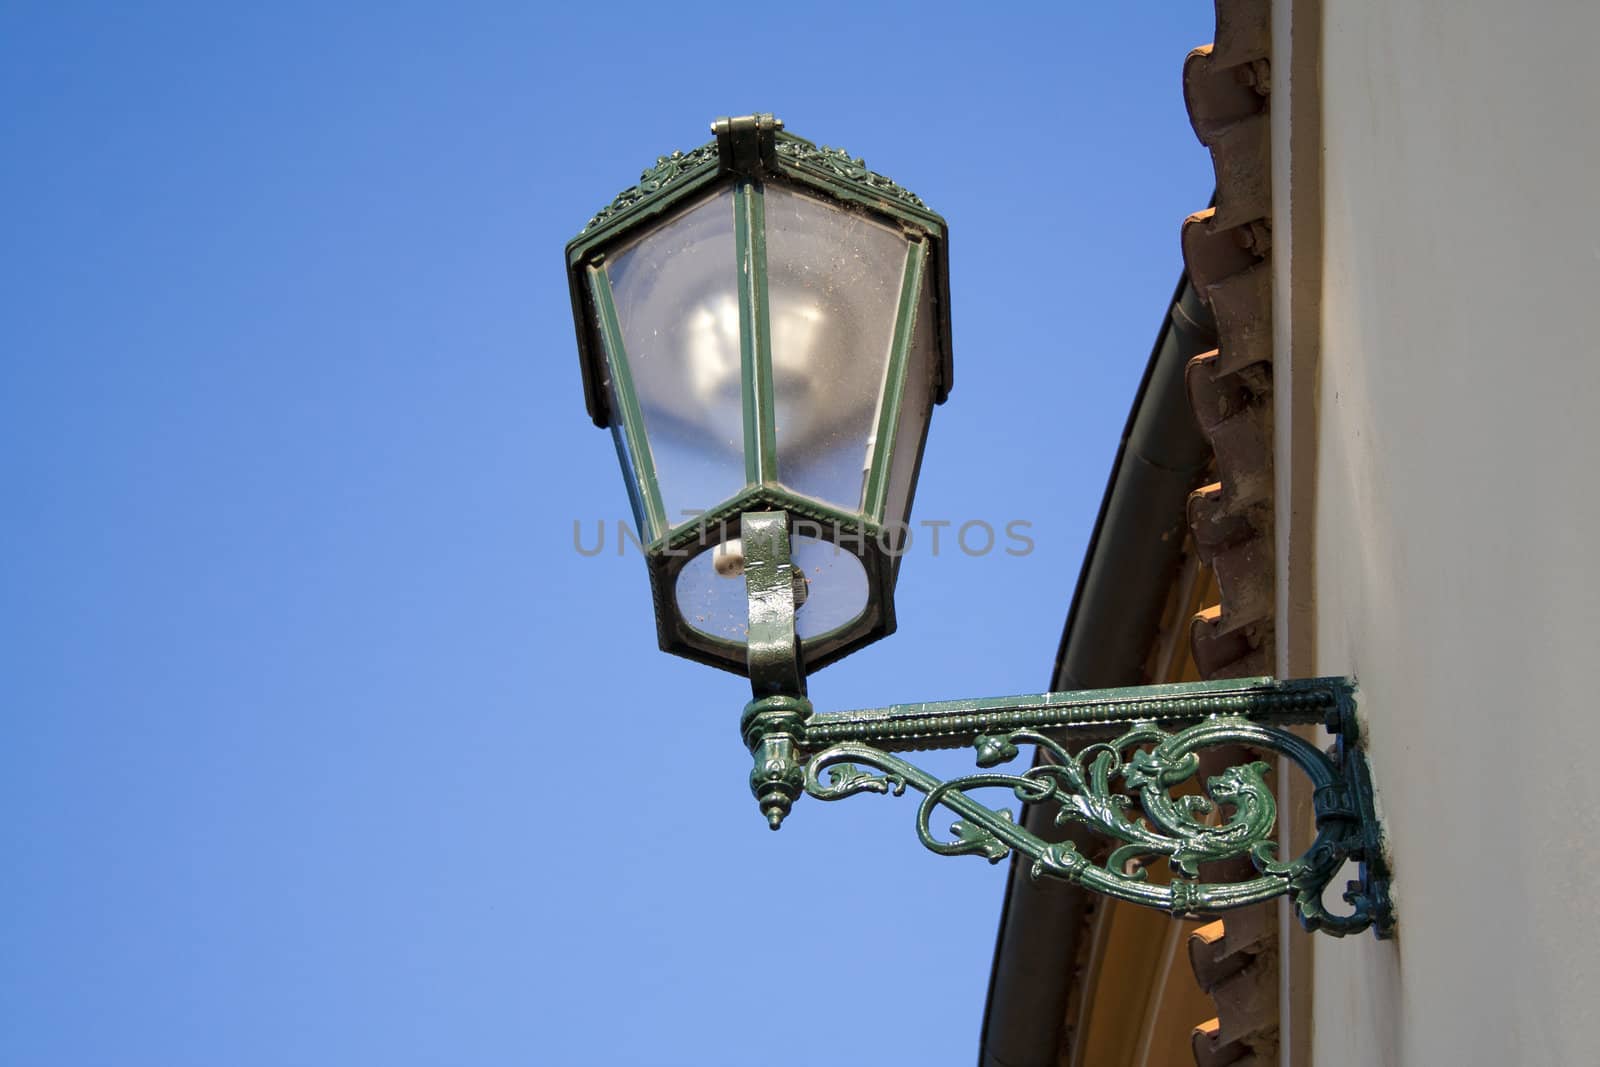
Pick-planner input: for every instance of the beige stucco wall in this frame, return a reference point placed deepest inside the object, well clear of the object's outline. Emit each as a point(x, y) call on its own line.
point(1457, 534)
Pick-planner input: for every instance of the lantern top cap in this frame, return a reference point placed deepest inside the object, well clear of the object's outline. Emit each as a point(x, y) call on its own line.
point(752, 146)
point(749, 147)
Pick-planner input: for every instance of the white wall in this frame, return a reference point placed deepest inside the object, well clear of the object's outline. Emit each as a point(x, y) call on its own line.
point(1457, 531)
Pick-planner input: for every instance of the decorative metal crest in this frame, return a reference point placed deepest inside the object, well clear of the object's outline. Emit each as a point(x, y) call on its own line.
point(838, 163)
point(834, 162)
point(667, 170)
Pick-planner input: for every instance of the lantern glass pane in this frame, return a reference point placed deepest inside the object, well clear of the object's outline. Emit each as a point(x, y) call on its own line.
point(712, 598)
point(833, 286)
point(676, 291)
point(836, 586)
point(630, 476)
point(916, 409)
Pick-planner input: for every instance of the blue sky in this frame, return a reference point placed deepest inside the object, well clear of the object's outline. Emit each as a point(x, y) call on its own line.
point(322, 744)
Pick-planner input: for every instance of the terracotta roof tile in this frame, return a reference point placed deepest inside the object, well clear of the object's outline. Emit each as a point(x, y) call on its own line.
point(1236, 961)
point(1227, 250)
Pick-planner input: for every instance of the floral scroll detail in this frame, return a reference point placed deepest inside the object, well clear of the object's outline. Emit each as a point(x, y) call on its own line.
point(840, 164)
point(668, 169)
point(835, 162)
point(1098, 786)
point(846, 780)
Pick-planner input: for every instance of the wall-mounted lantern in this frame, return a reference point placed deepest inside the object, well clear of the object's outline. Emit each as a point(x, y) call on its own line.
point(764, 326)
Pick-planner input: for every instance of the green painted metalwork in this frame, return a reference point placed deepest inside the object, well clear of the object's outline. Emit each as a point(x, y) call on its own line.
point(773, 719)
point(1098, 783)
point(668, 169)
point(840, 165)
point(755, 335)
point(1090, 714)
point(770, 726)
point(770, 582)
point(1118, 761)
point(670, 172)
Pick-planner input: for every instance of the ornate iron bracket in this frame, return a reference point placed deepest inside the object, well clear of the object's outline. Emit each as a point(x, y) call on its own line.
point(1123, 762)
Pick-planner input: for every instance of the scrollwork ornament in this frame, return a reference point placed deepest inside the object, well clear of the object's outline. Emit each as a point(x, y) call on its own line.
point(667, 170)
point(672, 169)
point(846, 779)
point(1098, 786)
point(840, 164)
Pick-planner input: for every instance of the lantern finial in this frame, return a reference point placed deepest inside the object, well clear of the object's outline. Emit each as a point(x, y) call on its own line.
point(746, 144)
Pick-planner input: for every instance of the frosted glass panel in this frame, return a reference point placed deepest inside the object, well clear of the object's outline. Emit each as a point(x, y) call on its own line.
point(833, 284)
point(676, 291)
point(916, 408)
point(836, 587)
point(712, 599)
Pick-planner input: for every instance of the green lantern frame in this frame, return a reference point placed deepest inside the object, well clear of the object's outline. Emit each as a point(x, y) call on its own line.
point(747, 154)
